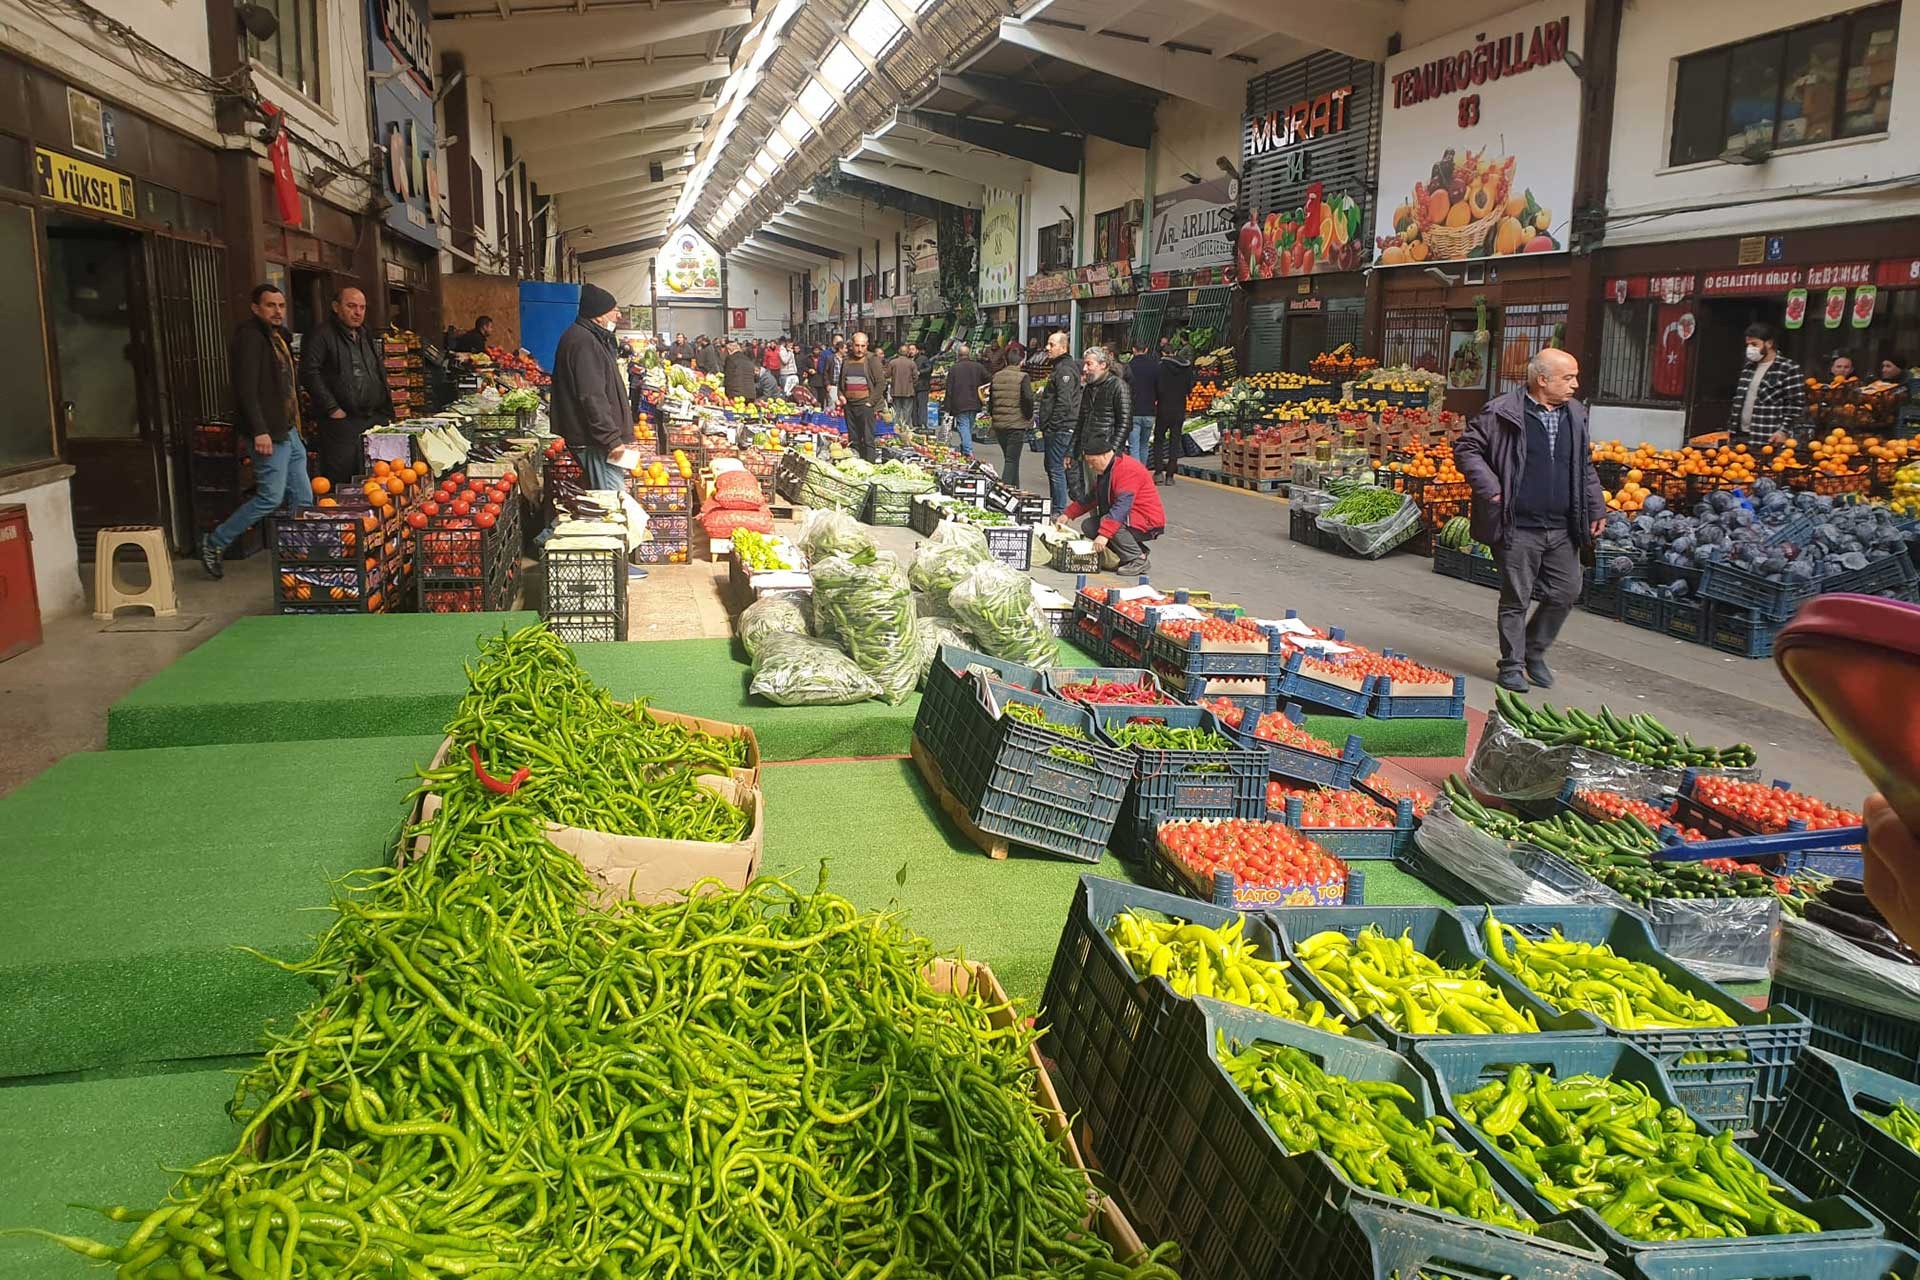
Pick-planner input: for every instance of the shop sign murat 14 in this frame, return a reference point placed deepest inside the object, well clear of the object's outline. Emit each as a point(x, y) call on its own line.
point(1477, 143)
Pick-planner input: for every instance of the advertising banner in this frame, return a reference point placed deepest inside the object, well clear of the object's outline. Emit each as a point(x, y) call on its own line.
point(1307, 156)
point(1193, 226)
point(400, 58)
point(1477, 140)
point(1000, 248)
point(686, 269)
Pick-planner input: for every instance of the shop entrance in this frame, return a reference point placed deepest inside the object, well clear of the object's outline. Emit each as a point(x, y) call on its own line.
point(1306, 338)
point(1722, 355)
point(103, 356)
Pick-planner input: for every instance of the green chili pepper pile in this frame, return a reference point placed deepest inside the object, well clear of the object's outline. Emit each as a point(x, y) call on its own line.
point(1027, 713)
point(500, 1081)
point(1581, 975)
point(1639, 738)
point(1160, 737)
point(1902, 1124)
point(1368, 505)
point(591, 762)
point(1364, 1128)
point(1198, 961)
point(1409, 991)
point(1611, 1147)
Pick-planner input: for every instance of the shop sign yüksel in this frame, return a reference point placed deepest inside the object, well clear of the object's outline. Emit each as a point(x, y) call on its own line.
point(1478, 140)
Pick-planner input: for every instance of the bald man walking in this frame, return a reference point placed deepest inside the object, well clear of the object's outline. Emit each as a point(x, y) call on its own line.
point(345, 379)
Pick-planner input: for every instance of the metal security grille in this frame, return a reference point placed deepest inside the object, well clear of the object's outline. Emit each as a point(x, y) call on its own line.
point(1415, 336)
point(1342, 162)
point(1209, 311)
point(1624, 351)
point(1524, 329)
point(1149, 316)
point(1346, 321)
point(193, 350)
point(1266, 324)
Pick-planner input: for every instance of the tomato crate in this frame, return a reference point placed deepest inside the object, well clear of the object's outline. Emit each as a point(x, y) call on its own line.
point(1254, 695)
point(1226, 891)
point(465, 553)
point(1257, 655)
point(1851, 482)
point(1848, 1258)
point(1450, 563)
point(462, 597)
point(1100, 1021)
point(1298, 764)
point(1088, 605)
point(1059, 678)
point(1207, 1171)
point(1755, 1053)
point(1435, 932)
point(1463, 1063)
point(1821, 1139)
point(1010, 544)
point(1742, 632)
point(1181, 783)
point(1088, 635)
point(1355, 844)
point(1878, 1040)
point(1027, 785)
point(1118, 623)
point(1295, 685)
point(1388, 705)
point(683, 435)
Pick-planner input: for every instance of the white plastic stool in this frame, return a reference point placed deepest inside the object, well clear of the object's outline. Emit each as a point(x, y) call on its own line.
point(110, 594)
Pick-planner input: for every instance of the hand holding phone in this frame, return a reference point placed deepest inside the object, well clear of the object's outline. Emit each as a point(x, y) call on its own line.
point(1892, 871)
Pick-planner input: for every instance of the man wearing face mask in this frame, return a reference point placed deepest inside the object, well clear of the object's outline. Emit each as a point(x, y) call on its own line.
point(1770, 399)
point(590, 409)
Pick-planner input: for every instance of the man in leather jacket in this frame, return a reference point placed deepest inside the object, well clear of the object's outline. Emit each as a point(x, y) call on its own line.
point(345, 378)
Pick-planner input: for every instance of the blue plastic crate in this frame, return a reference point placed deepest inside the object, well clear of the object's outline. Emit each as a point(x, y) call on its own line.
point(1743, 632)
point(1297, 764)
point(1464, 1063)
point(1385, 706)
point(1811, 1257)
point(1689, 619)
point(1296, 686)
point(1435, 932)
point(1637, 609)
point(1119, 624)
point(1821, 1139)
point(1223, 891)
point(1181, 784)
point(1232, 688)
point(1774, 601)
point(1351, 844)
point(1207, 1172)
point(1199, 658)
point(1483, 572)
point(1867, 1036)
point(1731, 1093)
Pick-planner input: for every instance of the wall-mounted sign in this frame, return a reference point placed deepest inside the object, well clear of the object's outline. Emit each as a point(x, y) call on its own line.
point(1897, 273)
point(1796, 308)
point(1836, 309)
point(400, 57)
point(1475, 157)
point(1832, 273)
point(1307, 159)
point(1667, 289)
point(85, 186)
point(686, 269)
point(737, 318)
point(1752, 251)
point(1751, 281)
point(1864, 300)
point(86, 123)
point(407, 32)
point(1193, 226)
point(1000, 248)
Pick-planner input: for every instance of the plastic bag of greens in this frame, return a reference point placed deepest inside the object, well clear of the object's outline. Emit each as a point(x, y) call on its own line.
point(1372, 521)
point(800, 671)
point(949, 555)
point(869, 609)
point(995, 602)
point(935, 632)
point(770, 615)
point(827, 532)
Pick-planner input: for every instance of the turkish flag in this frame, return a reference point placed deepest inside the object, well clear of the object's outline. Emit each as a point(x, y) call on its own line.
point(286, 193)
point(1671, 352)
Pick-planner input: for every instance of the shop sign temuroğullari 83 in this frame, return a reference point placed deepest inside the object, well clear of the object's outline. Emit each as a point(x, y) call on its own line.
point(1478, 136)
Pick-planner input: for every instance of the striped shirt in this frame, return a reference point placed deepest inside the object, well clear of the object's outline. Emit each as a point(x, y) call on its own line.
point(1550, 420)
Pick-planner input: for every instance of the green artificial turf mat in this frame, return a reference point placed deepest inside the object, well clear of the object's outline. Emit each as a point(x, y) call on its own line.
point(1388, 886)
point(870, 820)
point(100, 1143)
point(281, 679)
point(131, 877)
point(1408, 737)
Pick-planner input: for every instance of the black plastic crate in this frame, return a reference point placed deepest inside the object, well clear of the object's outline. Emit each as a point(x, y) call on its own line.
point(1603, 600)
point(887, 507)
point(1207, 1172)
point(357, 585)
point(1015, 779)
point(472, 553)
point(1638, 609)
point(1010, 544)
point(585, 628)
point(1868, 1036)
point(461, 596)
point(1182, 784)
point(585, 580)
point(924, 515)
point(1690, 619)
point(1302, 526)
point(1774, 601)
point(1449, 563)
point(1821, 1139)
point(1748, 1062)
point(824, 489)
point(1483, 572)
point(946, 680)
point(1058, 678)
point(1743, 632)
point(1465, 1063)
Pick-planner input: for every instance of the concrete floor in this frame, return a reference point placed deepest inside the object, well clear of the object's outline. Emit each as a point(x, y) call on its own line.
point(54, 699)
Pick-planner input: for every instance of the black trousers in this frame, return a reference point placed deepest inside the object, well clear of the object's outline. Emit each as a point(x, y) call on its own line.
point(860, 427)
point(1164, 454)
point(1013, 443)
point(1124, 549)
point(339, 440)
point(1549, 560)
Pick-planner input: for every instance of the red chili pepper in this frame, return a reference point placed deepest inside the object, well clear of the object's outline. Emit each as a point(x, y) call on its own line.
point(492, 783)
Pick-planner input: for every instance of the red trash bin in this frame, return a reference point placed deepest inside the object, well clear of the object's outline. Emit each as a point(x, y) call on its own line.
point(19, 597)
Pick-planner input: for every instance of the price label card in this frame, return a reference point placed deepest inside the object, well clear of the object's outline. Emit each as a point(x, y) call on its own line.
point(1139, 591)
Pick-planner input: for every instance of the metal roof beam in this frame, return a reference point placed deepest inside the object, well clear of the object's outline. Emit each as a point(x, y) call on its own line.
point(934, 186)
point(1128, 122)
point(543, 93)
point(1193, 76)
point(637, 170)
point(974, 166)
point(1035, 146)
point(1357, 28)
point(567, 128)
point(773, 239)
point(629, 146)
point(528, 39)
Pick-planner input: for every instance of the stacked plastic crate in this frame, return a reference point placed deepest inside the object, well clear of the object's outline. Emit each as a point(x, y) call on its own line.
point(586, 575)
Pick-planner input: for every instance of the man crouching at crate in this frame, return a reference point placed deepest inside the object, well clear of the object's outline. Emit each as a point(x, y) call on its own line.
point(1122, 510)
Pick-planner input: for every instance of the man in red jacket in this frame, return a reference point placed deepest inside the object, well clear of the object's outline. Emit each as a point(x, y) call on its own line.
point(1125, 511)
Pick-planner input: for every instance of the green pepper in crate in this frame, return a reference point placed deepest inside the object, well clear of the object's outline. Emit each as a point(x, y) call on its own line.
point(1200, 961)
point(1902, 1124)
point(1582, 975)
point(1410, 992)
point(1027, 713)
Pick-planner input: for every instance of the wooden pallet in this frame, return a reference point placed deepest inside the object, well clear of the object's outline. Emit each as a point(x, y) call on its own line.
point(993, 846)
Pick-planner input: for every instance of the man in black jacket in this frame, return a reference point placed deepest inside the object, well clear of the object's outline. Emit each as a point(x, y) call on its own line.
point(1057, 415)
point(963, 403)
point(345, 379)
point(476, 340)
point(590, 408)
point(269, 419)
point(1105, 420)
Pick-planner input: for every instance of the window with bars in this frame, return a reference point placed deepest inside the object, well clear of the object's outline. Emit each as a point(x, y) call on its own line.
point(293, 51)
point(1056, 247)
point(1346, 321)
point(1524, 329)
point(1415, 336)
point(1112, 236)
point(1631, 351)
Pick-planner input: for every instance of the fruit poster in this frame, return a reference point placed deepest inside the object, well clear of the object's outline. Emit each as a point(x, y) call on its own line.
point(1000, 248)
point(1477, 140)
point(686, 267)
point(1308, 141)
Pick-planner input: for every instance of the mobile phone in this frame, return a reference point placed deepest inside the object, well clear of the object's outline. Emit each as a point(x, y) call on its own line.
point(1855, 661)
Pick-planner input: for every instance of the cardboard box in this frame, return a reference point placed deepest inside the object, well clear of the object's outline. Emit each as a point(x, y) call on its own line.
point(646, 869)
point(725, 729)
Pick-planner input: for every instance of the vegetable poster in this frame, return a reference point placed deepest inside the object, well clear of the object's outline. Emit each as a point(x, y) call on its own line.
point(1477, 140)
point(686, 267)
point(1000, 249)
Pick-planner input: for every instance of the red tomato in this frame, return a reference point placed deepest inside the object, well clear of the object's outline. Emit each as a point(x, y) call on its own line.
point(417, 519)
point(430, 507)
point(485, 520)
point(462, 507)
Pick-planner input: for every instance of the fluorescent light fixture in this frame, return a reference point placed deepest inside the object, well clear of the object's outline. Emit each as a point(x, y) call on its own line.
point(816, 101)
point(874, 27)
point(793, 124)
point(841, 67)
